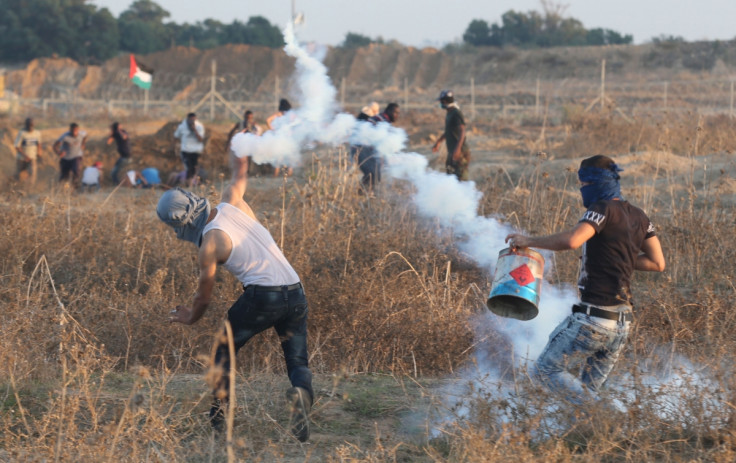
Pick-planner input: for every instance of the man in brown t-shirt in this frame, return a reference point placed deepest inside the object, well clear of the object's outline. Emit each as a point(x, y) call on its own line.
point(617, 238)
point(28, 149)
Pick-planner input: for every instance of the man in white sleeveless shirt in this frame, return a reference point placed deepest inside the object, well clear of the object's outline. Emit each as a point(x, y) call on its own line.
point(230, 235)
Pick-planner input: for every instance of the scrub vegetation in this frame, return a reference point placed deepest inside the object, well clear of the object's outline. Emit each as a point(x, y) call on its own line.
point(409, 365)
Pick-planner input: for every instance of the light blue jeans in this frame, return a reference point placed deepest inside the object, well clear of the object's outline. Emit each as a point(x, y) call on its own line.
point(580, 354)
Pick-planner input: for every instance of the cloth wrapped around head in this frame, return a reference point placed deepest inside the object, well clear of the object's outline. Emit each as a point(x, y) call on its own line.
point(185, 212)
point(602, 175)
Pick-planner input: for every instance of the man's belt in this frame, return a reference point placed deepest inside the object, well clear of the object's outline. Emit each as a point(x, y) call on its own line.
point(601, 313)
point(274, 289)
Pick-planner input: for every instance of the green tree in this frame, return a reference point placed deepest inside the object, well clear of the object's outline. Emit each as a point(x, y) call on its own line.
point(354, 40)
point(142, 29)
point(600, 36)
point(478, 33)
point(74, 28)
point(533, 29)
point(261, 32)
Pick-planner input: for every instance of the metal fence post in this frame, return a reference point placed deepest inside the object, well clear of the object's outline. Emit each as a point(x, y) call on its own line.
point(406, 93)
point(342, 93)
point(603, 84)
point(666, 84)
point(212, 90)
point(536, 100)
point(472, 98)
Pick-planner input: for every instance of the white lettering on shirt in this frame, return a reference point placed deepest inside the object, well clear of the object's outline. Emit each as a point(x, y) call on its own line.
point(594, 217)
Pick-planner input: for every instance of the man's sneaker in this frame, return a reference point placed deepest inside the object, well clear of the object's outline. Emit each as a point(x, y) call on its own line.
point(217, 415)
point(299, 406)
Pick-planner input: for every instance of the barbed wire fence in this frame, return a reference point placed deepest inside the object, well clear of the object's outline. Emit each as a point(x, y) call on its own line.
point(227, 95)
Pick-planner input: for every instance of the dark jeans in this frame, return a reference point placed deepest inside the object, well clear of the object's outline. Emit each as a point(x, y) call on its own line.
point(370, 164)
point(67, 166)
point(257, 310)
point(119, 166)
point(190, 160)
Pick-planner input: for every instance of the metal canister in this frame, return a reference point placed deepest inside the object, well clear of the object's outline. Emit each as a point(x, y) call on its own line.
point(516, 284)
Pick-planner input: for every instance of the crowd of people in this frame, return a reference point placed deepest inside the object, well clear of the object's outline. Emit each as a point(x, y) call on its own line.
point(192, 139)
point(617, 238)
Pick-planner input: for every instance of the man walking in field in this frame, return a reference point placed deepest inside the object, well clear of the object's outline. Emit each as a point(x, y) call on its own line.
point(28, 149)
point(617, 238)
point(120, 136)
point(70, 149)
point(458, 153)
point(273, 295)
point(191, 135)
point(369, 161)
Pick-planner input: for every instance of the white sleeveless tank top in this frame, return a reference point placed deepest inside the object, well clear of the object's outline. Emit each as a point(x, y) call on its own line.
point(255, 258)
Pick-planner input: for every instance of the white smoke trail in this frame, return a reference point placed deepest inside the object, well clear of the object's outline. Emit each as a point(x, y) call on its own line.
point(437, 196)
point(454, 205)
point(314, 120)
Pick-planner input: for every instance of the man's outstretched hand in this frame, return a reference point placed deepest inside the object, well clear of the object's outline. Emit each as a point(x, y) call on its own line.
point(516, 240)
point(182, 314)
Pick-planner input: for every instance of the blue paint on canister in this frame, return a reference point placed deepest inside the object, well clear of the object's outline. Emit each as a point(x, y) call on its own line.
point(517, 283)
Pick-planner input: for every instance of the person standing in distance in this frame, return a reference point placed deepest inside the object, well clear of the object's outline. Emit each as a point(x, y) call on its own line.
point(369, 160)
point(28, 149)
point(275, 121)
point(458, 153)
point(70, 149)
point(191, 135)
point(120, 136)
point(617, 238)
point(230, 235)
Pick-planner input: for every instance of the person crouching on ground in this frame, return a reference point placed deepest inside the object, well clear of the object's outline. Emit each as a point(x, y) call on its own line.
point(617, 238)
point(273, 296)
point(91, 177)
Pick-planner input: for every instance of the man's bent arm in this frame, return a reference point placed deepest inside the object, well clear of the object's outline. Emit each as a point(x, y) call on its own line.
point(439, 140)
point(239, 181)
point(207, 270)
point(458, 149)
point(568, 239)
point(652, 259)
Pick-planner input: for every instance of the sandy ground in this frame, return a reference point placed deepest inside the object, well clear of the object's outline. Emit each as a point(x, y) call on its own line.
point(652, 179)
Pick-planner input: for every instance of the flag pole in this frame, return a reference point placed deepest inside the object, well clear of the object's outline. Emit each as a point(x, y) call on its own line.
point(145, 102)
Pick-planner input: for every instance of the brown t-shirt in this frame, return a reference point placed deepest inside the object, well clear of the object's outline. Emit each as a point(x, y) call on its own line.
point(609, 256)
point(453, 120)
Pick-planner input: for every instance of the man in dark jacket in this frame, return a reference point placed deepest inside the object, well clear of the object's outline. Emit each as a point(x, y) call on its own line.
point(458, 153)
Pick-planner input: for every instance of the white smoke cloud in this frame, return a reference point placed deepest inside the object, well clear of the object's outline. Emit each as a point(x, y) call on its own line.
point(454, 205)
point(437, 196)
point(313, 120)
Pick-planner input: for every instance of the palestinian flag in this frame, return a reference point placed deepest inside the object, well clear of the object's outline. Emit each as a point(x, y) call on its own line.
point(140, 75)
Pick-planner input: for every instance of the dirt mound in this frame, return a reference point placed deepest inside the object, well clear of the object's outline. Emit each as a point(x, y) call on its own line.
point(248, 72)
point(7, 152)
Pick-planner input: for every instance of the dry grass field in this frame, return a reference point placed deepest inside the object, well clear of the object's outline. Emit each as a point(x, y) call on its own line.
point(409, 365)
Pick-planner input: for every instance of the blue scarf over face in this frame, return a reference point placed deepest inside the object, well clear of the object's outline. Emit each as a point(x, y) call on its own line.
point(603, 184)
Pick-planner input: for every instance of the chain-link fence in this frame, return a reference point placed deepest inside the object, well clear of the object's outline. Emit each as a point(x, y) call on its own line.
point(226, 96)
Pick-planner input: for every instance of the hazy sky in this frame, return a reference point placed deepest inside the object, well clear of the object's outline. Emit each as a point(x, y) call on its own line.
point(435, 22)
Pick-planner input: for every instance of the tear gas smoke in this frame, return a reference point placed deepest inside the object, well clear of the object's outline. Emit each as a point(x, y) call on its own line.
point(436, 196)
